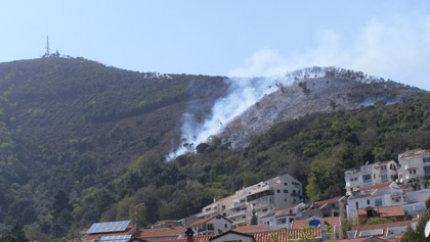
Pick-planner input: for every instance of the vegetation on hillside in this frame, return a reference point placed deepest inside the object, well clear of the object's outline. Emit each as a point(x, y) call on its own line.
point(81, 142)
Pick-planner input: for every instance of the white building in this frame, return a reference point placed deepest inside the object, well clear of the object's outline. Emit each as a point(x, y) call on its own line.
point(282, 218)
point(370, 174)
point(380, 195)
point(415, 168)
point(259, 199)
point(214, 225)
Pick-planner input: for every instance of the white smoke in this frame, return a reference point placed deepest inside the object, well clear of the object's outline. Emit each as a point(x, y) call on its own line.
point(398, 49)
point(243, 93)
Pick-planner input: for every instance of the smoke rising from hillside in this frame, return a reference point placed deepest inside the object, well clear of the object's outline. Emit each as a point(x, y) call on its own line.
point(399, 50)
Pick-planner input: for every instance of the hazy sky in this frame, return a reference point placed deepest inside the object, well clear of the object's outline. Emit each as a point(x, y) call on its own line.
point(241, 38)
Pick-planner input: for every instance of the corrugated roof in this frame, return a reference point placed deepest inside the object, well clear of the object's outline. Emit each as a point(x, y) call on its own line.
point(108, 227)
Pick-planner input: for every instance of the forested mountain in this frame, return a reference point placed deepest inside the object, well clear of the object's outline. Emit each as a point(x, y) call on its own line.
point(82, 142)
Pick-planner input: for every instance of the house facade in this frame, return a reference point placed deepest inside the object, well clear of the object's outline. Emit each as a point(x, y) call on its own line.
point(370, 174)
point(380, 195)
point(415, 168)
point(214, 225)
point(257, 200)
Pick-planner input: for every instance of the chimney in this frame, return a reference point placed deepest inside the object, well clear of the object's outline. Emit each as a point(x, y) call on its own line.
point(190, 235)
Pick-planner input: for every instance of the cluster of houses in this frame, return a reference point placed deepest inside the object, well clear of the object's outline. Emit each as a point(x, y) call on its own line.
point(381, 201)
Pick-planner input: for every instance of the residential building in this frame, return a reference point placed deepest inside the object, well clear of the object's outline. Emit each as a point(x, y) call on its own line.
point(213, 225)
point(415, 168)
point(259, 200)
point(379, 195)
point(370, 174)
point(123, 230)
point(332, 207)
point(283, 217)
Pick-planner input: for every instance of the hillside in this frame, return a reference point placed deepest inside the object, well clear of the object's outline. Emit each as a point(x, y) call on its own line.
point(58, 114)
point(313, 90)
point(82, 142)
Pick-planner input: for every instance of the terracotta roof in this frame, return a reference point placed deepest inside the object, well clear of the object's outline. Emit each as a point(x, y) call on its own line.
point(252, 228)
point(381, 226)
point(161, 232)
point(332, 221)
point(370, 239)
point(388, 211)
point(285, 234)
point(204, 220)
point(299, 223)
point(199, 238)
point(266, 236)
point(327, 201)
point(302, 223)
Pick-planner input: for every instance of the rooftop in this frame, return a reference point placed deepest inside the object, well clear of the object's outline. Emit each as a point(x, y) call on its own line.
point(412, 153)
point(388, 211)
point(161, 232)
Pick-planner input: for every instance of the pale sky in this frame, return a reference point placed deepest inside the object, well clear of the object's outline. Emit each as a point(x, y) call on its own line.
point(241, 38)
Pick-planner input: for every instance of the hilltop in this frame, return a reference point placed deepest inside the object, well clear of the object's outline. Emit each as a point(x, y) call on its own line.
point(82, 142)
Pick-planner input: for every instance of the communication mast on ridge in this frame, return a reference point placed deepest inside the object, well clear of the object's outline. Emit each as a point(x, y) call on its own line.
point(47, 52)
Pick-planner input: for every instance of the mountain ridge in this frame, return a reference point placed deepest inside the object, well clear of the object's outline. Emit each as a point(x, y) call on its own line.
point(82, 142)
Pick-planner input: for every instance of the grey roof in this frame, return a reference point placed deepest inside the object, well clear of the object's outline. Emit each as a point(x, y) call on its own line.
point(108, 227)
point(115, 238)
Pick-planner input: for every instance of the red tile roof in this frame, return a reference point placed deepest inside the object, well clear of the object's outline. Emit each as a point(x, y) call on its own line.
point(161, 232)
point(286, 234)
point(381, 226)
point(327, 201)
point(388, 211)
point(265, 236)
point(199, 238)
point(252, 228)
point(302, 223)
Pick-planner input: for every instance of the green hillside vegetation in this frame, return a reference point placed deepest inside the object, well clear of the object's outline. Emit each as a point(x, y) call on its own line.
point(81, 142)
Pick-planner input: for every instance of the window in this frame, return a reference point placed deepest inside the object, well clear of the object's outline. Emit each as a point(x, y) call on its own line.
point(378, 202)
point(426, 159)
point(427, 171)
point(281, 221)
point(384, 178)
point(210, 227)
point(278, 191)
point(225, 226)
point(285, 184)
point(368, 202)
point(356, 205)
point(367, 178)
point(412, 171)
point(285, 191)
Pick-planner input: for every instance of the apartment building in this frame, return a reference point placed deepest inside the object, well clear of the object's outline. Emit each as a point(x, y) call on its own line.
point(379, 195)
point(370, 174)
point(415, 168)
point(257, 200)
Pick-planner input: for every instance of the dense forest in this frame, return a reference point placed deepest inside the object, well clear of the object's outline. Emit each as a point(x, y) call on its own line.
point(81, 142)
